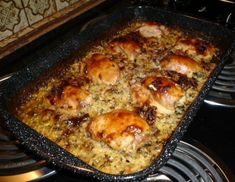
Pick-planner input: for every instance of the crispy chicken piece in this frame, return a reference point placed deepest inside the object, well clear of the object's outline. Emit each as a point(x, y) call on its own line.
point(157, 91)
point(69, 98)
point(102, 69)
point(196, 48)
point(152, 29)
point(163, 91)
point(120, 129)
point(125, 46)
point(180, 64)
point(140, 95)
point(74, 97)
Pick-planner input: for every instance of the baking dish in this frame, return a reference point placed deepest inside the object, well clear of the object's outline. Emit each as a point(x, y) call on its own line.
point(48, 150)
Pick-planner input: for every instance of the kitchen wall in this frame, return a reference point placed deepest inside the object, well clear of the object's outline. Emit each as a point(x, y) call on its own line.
point(22, 21)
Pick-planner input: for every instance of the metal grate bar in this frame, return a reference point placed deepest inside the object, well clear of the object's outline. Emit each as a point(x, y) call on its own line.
point(223, 89)
point(225, 83)
point(226, 78)
point(206, 163)
point(168, 171)
point(229, 66)
point(228, 72)
point(180, 165)
point(191, 164)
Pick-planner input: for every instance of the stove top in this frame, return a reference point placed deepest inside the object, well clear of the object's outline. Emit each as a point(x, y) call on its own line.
point(212, 129)
point(190, 163)
point(223, 90)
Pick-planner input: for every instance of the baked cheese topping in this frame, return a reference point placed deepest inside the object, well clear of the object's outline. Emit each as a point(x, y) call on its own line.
point(116, 107)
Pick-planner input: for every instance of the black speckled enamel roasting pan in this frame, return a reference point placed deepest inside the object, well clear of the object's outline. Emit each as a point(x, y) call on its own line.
point(59, 157)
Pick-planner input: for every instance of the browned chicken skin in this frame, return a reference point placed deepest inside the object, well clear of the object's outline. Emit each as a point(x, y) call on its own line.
point(199, 49)
point(180, 64)
point(157, 91)
point(152, 29)
point(125, 46)
point(140, 95)
point(102, 69)
point(69, 98)
point(163, 90)
point(120, 129)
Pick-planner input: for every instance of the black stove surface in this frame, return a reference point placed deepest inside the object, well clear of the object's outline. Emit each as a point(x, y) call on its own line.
point(213, 126)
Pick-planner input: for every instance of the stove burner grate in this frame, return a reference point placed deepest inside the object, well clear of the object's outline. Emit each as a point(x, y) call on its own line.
point(223, 90)
point(189, 164)
point(16, 164)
